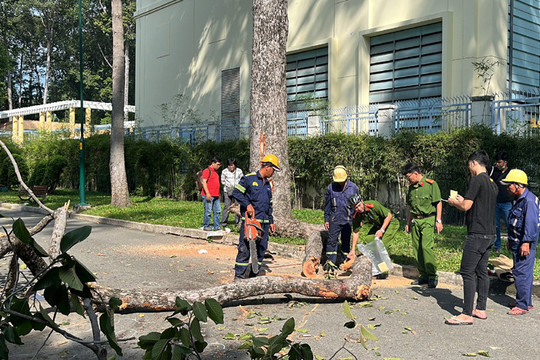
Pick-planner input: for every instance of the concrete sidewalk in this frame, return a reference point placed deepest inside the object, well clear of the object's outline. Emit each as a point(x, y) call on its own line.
point(408, 321)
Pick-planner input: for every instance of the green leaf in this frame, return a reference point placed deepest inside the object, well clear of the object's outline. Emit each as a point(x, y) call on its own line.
point(260, 341)
point(288, 327)
point(179, 351)
point(199, 310)
point(4, 351)
point(229, 336)
point(367, 334)
point(11, 335)
point(83, 273)
point(215, 311)
point(74, 237)
point(69, 276)
point(107, 327)
point(195, 329)
point(77, 306)
point(484, 353)
point(169, 333)
point(114, 302)
point(347, 310)
point(21, 232)
point(182, 306)
point(175, 321)
point(185, 338)
point(147, 341)
point(159, 348)
point(200, 345)
point(46, 317)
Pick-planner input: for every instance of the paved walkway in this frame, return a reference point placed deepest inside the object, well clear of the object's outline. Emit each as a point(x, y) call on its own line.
point(409, 321)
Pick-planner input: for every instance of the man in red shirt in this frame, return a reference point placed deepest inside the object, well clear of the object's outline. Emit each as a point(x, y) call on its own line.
point(210, 195)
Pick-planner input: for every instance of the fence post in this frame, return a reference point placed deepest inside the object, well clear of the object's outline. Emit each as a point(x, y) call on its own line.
point(384, 120)
point(481, 111)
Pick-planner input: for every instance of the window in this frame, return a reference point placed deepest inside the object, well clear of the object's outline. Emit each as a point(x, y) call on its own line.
point(524, 44)
point(230, 104)
point(307, 79)
point(406, 65)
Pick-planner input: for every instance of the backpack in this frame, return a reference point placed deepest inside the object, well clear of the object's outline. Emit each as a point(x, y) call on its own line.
point(198, 179)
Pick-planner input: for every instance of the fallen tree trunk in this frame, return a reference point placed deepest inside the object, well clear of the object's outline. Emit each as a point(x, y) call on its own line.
point(357, 287)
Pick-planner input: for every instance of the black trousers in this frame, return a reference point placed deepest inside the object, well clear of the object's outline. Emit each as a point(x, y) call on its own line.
point(474, 270)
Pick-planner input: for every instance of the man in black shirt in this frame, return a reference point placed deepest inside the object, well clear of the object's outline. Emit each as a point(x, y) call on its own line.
point(504, 199)
point(479, 203)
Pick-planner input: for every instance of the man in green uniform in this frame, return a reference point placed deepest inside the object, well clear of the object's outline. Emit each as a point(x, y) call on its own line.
point(425, 214)
point(383, 224)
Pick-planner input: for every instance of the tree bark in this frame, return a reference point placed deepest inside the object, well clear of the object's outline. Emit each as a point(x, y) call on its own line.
point(117, 166)
point(269, 96)
point(59, 230)
point(357, 287)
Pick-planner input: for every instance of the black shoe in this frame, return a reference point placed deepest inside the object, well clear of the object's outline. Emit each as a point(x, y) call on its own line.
point(382, 276)
point(419, 281)
point(239, 278)
point(432, 283)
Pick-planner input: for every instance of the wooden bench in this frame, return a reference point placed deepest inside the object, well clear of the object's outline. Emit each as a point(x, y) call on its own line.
point(39, 190)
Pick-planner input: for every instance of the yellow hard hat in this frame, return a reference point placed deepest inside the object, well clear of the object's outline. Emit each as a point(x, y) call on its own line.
point(340, 173)
point(515, 176)
point(272, 159)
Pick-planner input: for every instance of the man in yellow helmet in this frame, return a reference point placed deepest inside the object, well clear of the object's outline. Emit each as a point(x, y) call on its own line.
point(338, 218)
point(523, 229)
point(254, 194)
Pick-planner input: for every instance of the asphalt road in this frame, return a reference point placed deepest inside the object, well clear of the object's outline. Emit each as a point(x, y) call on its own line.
point(408, 321)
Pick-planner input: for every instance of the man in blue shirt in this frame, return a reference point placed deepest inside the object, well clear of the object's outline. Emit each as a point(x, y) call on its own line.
point(338, 218)
point(254, 194)
point(523, 229)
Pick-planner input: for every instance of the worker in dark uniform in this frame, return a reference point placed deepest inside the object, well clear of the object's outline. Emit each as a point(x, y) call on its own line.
point(254, 194)
point(425, 214)
point(338, 219)
point(523, 229)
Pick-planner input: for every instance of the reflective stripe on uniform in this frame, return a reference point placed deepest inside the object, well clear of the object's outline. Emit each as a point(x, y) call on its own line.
point(261, 221)
point(240, 188)
point(241, 264)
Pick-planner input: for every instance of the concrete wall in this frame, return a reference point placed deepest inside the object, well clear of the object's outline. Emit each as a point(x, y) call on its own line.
point(183, 45)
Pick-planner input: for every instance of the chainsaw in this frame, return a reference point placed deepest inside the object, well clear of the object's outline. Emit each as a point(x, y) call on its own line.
point(253, 231)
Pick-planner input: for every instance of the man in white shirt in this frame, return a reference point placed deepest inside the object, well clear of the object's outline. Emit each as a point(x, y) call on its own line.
point(230, 177)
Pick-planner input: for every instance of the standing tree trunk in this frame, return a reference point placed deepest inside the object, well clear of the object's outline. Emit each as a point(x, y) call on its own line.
point(117, 166)
point(269, 96)
point(126, 77)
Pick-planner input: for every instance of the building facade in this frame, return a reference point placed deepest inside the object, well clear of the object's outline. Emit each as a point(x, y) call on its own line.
point(194, 56)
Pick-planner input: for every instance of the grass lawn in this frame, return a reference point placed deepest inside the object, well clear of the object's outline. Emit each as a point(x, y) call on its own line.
point(189, 214)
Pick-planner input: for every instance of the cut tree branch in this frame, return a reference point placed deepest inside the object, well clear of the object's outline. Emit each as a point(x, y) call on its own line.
point(357, 287)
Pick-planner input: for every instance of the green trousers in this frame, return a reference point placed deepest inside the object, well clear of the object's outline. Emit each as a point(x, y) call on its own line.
point(422, 232)
point(388, 236)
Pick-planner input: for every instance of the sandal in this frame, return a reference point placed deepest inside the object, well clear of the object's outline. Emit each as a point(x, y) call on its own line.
point(517, 311)
point(479, 314)
point(456, 321)
point(514, 304)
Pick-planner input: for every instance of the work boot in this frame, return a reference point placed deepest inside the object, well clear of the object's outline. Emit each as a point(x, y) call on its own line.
point(419, 281)
point(432, 283)
point(329, 271)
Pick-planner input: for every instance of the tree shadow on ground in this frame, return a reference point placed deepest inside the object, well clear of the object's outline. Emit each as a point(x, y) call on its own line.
point(445, 299)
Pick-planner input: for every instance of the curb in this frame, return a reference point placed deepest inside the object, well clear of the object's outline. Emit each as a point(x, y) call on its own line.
point(294, 251)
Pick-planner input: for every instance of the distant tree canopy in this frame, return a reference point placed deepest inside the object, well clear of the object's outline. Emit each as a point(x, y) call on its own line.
point(42, 39)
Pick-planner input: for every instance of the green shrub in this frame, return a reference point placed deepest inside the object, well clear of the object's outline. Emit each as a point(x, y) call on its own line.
point(48, 172)
point(7, 171)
